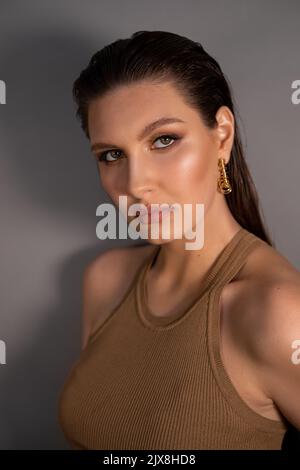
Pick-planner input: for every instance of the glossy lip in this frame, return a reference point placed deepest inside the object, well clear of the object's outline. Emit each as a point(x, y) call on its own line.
point(153, 214)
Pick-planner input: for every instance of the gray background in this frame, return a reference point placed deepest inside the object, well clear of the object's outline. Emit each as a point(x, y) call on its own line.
point(49, 184)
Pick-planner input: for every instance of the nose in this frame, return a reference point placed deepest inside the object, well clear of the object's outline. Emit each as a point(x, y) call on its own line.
point(140, 178)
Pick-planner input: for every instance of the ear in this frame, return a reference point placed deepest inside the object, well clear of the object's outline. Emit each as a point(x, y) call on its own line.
point(224, 132)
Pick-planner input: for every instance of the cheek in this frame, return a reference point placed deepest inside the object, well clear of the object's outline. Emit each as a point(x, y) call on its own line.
point(109, 181)
point(194, 173)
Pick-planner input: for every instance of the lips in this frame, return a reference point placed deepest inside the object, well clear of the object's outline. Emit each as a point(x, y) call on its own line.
point(152, 213)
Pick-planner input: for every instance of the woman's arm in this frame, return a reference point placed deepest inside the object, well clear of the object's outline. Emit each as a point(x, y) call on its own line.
point(277, 345)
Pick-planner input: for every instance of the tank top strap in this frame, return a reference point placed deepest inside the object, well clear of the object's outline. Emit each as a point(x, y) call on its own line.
point(232, 258)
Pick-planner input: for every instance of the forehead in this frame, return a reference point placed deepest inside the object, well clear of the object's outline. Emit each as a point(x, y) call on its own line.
point(129, 107)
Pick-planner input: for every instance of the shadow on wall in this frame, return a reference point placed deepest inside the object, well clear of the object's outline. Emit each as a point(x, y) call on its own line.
point(48, 155)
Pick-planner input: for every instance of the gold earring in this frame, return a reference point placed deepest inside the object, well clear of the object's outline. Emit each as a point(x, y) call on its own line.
point(223, 182)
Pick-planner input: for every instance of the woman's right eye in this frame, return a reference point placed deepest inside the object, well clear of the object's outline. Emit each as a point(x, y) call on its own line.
point(102, 157)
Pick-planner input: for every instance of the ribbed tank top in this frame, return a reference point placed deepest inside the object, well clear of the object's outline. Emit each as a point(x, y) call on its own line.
point(147, 382)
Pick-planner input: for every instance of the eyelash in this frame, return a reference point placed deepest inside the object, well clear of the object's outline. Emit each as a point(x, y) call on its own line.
point(101, 156)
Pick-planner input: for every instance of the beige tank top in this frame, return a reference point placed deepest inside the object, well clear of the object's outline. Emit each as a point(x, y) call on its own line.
point(156, 383)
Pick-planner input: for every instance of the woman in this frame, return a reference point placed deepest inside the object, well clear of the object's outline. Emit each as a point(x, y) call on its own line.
point(182, 349)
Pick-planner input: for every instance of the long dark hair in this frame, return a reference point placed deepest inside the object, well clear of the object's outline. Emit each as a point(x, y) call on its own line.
point(162, 56)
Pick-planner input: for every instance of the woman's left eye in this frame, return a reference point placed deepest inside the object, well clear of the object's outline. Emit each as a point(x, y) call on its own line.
point(167, 137)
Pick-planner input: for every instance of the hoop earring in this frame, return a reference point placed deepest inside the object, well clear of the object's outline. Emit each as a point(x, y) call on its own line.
point(223, 182)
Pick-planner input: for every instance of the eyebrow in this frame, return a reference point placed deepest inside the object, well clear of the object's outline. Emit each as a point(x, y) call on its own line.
point(147, 129)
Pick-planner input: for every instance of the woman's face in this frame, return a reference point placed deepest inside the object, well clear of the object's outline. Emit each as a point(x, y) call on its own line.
point(173, 162)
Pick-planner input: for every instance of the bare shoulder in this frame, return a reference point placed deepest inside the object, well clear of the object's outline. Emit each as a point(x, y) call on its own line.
point(264, 290)
point(264, 320)
point(266, 264)
point(105, 281)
